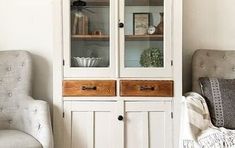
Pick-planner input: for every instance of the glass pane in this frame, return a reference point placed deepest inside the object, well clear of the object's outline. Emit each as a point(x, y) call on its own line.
point(90, 33)
point(144, 33)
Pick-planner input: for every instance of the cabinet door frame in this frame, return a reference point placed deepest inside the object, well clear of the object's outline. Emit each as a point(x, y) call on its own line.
point(164, 72)
point(91, 108)
point(92, 71)
point(145, 108)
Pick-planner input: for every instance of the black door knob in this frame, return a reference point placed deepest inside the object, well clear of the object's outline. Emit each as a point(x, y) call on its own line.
point(121, 25)
point(120, 117)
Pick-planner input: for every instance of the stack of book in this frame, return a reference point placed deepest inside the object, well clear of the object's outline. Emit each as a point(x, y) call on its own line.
point(80, 24)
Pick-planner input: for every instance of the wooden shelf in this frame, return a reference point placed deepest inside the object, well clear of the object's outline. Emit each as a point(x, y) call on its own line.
point(144, 37)
point(127, 2)
point(144, 2)
point(127, 37)
point(90, 37)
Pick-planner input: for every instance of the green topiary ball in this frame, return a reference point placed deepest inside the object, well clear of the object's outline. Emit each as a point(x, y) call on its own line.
point(152, 57)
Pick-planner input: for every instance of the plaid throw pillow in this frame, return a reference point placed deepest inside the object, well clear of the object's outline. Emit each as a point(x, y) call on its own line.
point(220, 98)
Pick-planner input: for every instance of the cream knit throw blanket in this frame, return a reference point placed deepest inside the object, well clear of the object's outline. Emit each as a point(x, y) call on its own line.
point(201, 127)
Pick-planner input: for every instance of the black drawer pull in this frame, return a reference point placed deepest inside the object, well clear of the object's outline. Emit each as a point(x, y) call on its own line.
point(89, 88)
point(147, 88)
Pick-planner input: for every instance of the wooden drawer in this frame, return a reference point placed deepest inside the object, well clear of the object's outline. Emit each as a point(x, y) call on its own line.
point(89, 88)
point(149, 88)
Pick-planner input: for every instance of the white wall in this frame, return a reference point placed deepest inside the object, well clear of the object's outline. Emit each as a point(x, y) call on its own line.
point(27, 25)
point(207, 24)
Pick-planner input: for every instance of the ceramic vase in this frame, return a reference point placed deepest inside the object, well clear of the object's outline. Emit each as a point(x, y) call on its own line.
point(160, 26)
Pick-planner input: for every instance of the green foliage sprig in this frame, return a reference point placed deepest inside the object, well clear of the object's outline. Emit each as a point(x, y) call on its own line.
point(152, 57)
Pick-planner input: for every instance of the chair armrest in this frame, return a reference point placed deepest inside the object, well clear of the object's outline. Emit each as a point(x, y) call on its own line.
point(37, 121)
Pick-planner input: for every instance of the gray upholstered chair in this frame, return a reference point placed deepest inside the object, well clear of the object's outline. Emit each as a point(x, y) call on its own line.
point(212, 63)
point(207, 63)
point(24, 122)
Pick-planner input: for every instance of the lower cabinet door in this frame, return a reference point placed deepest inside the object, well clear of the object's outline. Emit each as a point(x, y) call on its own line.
point(148, 125)
point(95, 125)
point(89, 124)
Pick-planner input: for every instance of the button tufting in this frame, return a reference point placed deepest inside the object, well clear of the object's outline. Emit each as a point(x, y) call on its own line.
point(35, 110)
point(9, 68)
point(202, 65)
point(39, 126)
point(9, 121)
point(215, 67)
point(225, 57)
point(9, 94)
point(19, 78)
point(1, 109)
point(22, 64)
point(233, 69)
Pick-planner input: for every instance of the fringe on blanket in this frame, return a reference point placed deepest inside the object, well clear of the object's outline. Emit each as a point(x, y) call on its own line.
point(201, 128)
point(222, 138)
point(188, 144)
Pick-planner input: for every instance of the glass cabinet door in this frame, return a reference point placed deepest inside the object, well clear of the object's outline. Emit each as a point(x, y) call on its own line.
point(89, 39)
point(146, 38)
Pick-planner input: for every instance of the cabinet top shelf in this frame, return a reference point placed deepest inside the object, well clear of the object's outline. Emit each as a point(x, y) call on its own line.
point(127, 37)
point(90, 37)
point(127, 2)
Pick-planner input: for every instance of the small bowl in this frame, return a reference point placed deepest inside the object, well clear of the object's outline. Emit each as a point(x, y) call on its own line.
point(86, 61)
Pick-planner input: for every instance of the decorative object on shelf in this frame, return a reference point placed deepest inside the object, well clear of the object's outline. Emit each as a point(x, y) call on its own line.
point(97, 32)
point(152, 57)
point(80, 20)
point(152, 30)
point(160, 26)
point(86, 61)
point(141, 23)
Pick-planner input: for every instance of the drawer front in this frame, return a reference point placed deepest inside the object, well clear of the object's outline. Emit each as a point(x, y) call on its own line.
point(89, 88)
point(151, 88)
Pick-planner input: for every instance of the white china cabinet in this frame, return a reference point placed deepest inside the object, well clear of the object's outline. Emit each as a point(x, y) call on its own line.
point(121, 74)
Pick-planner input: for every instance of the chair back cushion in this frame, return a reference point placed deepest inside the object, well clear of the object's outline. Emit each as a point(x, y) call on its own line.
point(212, 63)
point(15, 80)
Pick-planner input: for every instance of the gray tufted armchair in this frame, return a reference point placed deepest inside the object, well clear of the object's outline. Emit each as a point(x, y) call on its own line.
point(24, 122)
point(206, 63)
